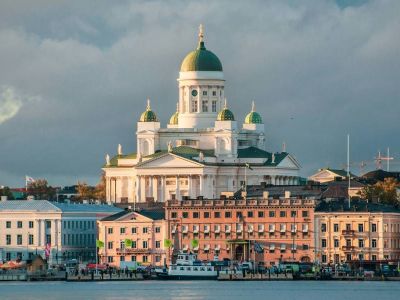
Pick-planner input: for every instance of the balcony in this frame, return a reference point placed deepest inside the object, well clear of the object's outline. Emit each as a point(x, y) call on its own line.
point(348, 232)
point(348, 248)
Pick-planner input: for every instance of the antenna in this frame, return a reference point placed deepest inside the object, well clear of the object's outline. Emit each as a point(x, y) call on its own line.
point(380, 158)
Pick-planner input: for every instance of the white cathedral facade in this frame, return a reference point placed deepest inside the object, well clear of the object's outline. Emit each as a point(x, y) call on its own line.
point(203, 152)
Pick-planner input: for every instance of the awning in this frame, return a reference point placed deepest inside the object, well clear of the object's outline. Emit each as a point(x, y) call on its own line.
point(206, 247)
point(260, 228)
point(272, 247)
point(283, 246)
point(217, 247)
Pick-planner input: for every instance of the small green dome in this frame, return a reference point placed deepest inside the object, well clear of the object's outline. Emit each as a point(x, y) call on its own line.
point(253, 117)
point(225, 114)
point(148, 115)
point(201, 59)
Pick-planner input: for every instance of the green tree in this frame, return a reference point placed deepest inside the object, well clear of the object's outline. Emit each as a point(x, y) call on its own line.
point(5, 191)
point(41, 190)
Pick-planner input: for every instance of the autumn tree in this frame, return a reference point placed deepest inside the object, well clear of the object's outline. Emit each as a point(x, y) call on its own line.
point(41, 190)
point(85, 191)
point(100, 190)
point(383, 192)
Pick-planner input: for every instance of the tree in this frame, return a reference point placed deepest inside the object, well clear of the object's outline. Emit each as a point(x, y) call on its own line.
point(5, 191)
point(101, 188)
point(383, 192)
point(85, 192)
point(41, 190)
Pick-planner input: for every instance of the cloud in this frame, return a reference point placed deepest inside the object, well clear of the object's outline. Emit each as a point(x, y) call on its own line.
point(10, 103)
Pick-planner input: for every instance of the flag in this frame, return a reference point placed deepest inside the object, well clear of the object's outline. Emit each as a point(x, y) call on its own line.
point(248, 166)
point(167, 243)
point(29, 179)
point(128, 243)
point(258, 248)
point(194, 243)
point(99, 244)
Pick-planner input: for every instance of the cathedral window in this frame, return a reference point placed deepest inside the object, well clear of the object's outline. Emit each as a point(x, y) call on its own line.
point(205, 106)
point(214, 93)
point(214, 106)
point(194, 106)
point(204, 93)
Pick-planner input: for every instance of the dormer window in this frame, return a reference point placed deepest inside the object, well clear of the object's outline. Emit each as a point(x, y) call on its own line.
point(204, 93)
point(194, 106)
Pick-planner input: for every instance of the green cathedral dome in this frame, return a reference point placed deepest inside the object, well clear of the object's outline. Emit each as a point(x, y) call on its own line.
point(148, 115)
point(225, 114)
point(253, 117)
point(201, 59)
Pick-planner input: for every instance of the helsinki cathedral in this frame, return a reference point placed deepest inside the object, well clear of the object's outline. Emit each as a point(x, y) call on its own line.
point(203, 151)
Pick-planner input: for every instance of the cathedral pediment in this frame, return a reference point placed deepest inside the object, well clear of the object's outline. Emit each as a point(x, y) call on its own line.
point(169, 160)
point(289, 162)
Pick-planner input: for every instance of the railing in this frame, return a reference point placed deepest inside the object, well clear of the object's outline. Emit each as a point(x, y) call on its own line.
point(348, 248)
point(348, 232)
point(242, 202)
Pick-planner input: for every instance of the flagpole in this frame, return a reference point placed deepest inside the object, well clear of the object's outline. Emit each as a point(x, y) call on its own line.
point(96, 258)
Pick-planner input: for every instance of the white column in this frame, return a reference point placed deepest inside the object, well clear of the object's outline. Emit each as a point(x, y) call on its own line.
point(108, 189)
point(162, 189)
point(137, 188)
point(150, 192)
point(130, 189)
point(42, 233)
point(190, 187)
point(142, 188)
point(201, 185)
point(177, 189)
point(37, 235)
point(155, 188)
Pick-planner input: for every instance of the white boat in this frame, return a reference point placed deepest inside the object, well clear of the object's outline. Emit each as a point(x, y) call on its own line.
point(187, 267)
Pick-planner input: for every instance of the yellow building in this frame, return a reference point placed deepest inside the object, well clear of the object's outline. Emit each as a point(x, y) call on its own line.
point(365, 231)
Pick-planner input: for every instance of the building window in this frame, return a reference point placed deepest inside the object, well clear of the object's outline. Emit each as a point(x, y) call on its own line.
point(360, 256)
point(348, 227)
point(323, 258)
point(31, 224)
point(360, 227)
point(145, 229)
point(110, 230)
point(239, 214)
point(194, 106)
point(204, 106)
point(271, 214)
point(48, 239)
point(214, 93)
point(336, 243)
point(323, 227)
point(122, 230)
point(122, 258)
point(8, 224)
point(304, 213)
point(158, 244)
point(110, 245)
point(305, 247)
point(282, 214)
point(48, 224)
point(373, 257)
point(145, 259)
point(204, 93)
point(158, 229)
point(228, 214)
point(110, 259)
point(348, 257)
point(323, 243)
point(336, 227)
point(206, 214)
point(19, 224)
point(158, 258)
point(174, 215)
point(144, 244)
point(361, 243)
point(185, 215)
point(261, 214)
point(217, 214)
point(196, 215)
point(133, 244)
point(373, 227)
point(19, 239)
point(214, 106)
point(133, 258)
point(348, 243)
point(250, 214)
point(30, 239)
point(134, 230)
point(293, 213)
point(373, 244)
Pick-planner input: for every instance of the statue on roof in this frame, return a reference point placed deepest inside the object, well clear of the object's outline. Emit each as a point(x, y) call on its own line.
point(273, 158)
point(119, 149)
point(107, 160)
point(170, 146)
point(201, 156)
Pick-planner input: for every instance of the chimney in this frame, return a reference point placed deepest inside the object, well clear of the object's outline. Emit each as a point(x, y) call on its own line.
point(287, 194)
point(265, 194)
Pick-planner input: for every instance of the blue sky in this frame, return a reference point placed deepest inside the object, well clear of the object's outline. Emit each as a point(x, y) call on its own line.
point(75, 76)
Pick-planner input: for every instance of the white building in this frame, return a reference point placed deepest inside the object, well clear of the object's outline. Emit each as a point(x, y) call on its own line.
point(203, 151)
point(68, 230)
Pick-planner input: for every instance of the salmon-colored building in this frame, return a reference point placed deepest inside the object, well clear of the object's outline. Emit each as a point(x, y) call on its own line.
point(145, 230)
point(279, 229)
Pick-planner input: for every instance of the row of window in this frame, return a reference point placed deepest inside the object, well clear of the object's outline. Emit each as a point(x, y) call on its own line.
point(145, 245)
point(239, 214)
point(79, 239)
point(134, 230)
point(145, 258)
point(19, 224)
point(19, 239)
point(361, 243)
point(204, 106)
point(348, 227)
point(79, 225)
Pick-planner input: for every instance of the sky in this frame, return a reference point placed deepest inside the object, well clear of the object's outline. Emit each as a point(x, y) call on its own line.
point(75, 76)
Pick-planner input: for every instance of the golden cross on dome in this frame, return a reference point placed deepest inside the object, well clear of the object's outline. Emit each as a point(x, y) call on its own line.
point(226, 104)
point(148, 104)
point(201, 32)
point(253, 106)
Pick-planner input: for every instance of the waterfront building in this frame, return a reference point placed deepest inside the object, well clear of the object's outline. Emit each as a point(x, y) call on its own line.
point(203, 151)
point(65, 231)
point(131, 236)
point(232, 228)
point(365, 231)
